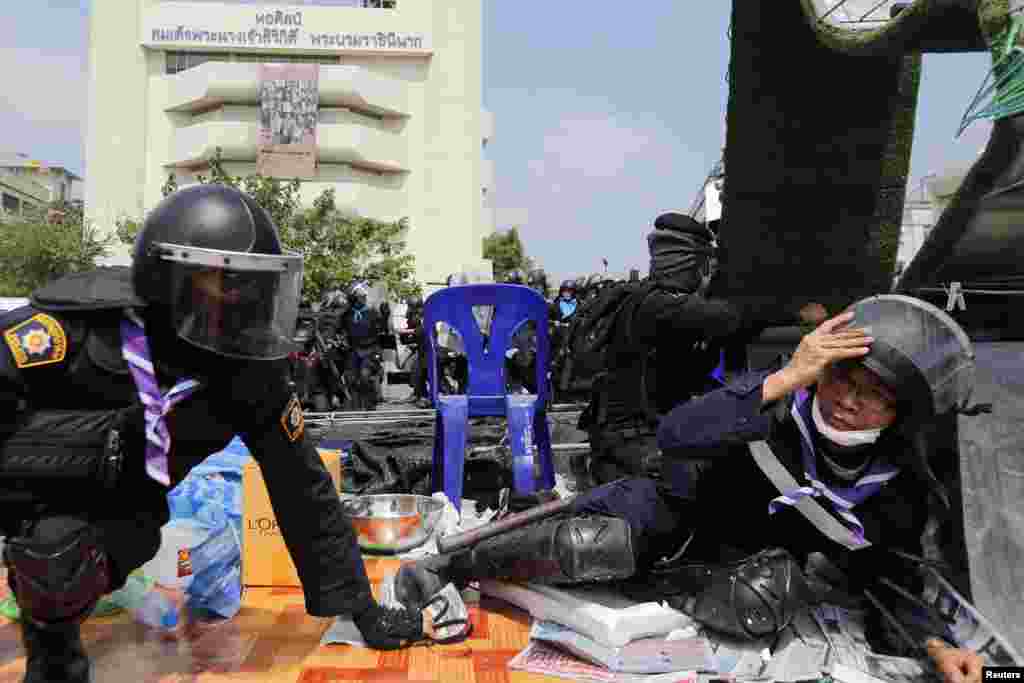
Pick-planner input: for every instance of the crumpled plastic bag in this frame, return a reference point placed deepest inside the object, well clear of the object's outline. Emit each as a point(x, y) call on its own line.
point(451, 522)
point(213, 489)
point(211, 497)
point(216, 587)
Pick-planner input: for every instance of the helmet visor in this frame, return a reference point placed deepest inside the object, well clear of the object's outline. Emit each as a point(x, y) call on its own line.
point(235, 304)
point(919, 350)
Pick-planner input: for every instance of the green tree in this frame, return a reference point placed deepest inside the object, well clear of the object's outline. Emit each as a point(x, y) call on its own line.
point(45, 244)
point(337, 248)
point(506, 252)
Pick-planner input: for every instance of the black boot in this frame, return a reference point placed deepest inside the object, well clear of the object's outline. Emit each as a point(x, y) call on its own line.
point(54, 653)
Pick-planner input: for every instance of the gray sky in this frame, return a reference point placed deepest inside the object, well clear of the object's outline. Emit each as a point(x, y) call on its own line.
point(604, 118)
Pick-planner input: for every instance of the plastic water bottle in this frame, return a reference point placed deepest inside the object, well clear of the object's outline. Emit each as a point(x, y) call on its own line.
point(148, 605)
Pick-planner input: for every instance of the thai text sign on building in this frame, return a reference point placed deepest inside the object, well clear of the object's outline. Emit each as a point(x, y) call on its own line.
point(184, 25)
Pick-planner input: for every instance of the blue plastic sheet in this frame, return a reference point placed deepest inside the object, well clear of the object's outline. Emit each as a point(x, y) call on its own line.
point(211, 496)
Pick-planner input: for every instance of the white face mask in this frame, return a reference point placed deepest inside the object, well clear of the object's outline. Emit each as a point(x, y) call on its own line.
point(846, 439)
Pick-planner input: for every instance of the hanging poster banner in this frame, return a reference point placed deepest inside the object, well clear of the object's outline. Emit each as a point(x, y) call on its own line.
point(289, 104)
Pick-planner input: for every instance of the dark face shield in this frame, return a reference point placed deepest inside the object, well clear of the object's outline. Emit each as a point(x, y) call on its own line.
point(235, 304)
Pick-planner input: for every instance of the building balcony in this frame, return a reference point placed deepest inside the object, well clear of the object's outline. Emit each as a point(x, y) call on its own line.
point(341, 139)
point(215, 84)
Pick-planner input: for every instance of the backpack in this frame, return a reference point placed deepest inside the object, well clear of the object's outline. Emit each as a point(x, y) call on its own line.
point(584, 354)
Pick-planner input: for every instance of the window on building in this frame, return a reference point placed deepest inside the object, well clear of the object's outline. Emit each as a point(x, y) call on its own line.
point(181, 61)
point(11, 203)
point(289, 59)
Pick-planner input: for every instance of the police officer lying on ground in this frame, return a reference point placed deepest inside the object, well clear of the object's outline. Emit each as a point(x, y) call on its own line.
point(116, 382)
point(846, 417)
point(665, 344)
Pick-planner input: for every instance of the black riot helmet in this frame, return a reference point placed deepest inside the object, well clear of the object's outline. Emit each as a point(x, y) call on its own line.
point(928, 361)
point(211, 256)
point(683, 253)
point(516, 277)
point(456, 279)
point(919, 351)
point(568, 286)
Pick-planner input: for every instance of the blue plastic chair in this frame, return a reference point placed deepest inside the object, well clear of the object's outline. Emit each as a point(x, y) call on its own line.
point(529, 435)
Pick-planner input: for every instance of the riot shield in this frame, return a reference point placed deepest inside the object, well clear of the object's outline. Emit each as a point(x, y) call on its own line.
point(992, 481)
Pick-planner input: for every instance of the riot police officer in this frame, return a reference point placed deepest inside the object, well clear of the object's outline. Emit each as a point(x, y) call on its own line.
point(667, 340)
point(566, 303)
point(363, 326)
point(418, 369)
point(127, 378)
point(829, 454)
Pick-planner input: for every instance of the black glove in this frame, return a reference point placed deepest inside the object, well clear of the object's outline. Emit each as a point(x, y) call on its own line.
point(385, 628)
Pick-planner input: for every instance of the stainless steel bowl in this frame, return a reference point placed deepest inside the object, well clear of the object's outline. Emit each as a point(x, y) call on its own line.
point(392, 522)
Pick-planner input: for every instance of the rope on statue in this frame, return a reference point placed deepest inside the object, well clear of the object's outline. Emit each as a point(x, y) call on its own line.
point(1006, 89)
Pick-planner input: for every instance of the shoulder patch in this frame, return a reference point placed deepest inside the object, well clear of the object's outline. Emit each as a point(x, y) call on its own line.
point(292, 420)
point(40, 340)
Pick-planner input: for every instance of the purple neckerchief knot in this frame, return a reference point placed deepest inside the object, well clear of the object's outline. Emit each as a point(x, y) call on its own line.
point(135, 350)
point(842, 499)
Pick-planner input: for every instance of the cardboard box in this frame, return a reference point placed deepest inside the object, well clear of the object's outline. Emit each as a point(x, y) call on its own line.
point(265, 559)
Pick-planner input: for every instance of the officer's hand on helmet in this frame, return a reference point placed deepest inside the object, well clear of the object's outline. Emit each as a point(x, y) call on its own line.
point(955, 665)
point(389, 628)
point(813, 314)
point(830, 342)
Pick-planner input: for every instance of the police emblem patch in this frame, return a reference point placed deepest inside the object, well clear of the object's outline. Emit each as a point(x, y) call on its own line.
point(40, 340)
point(292, 419)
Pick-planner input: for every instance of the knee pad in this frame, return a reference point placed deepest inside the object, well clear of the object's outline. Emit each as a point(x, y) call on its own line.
point(595, 548)
point(558, 550)
point(58, 572)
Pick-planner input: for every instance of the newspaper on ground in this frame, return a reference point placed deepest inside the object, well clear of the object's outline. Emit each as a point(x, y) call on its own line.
point(970, 628)
point(546, 659)
point(800, 653)
point(642, 656)
point(844, 632)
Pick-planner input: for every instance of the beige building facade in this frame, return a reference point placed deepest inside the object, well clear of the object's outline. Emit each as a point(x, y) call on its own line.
point(19, 194)
point(400, 129)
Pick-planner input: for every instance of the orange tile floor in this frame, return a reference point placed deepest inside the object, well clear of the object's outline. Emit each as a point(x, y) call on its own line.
point(272, 639)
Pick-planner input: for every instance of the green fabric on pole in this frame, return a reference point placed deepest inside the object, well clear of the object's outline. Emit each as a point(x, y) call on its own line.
point(1006, 91)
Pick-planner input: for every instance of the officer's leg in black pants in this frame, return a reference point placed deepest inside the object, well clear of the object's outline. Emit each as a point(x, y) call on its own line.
point(63, 561)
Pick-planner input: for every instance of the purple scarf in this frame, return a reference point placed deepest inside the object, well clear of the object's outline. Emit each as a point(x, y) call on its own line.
point(842, 499)
point(135, 350)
